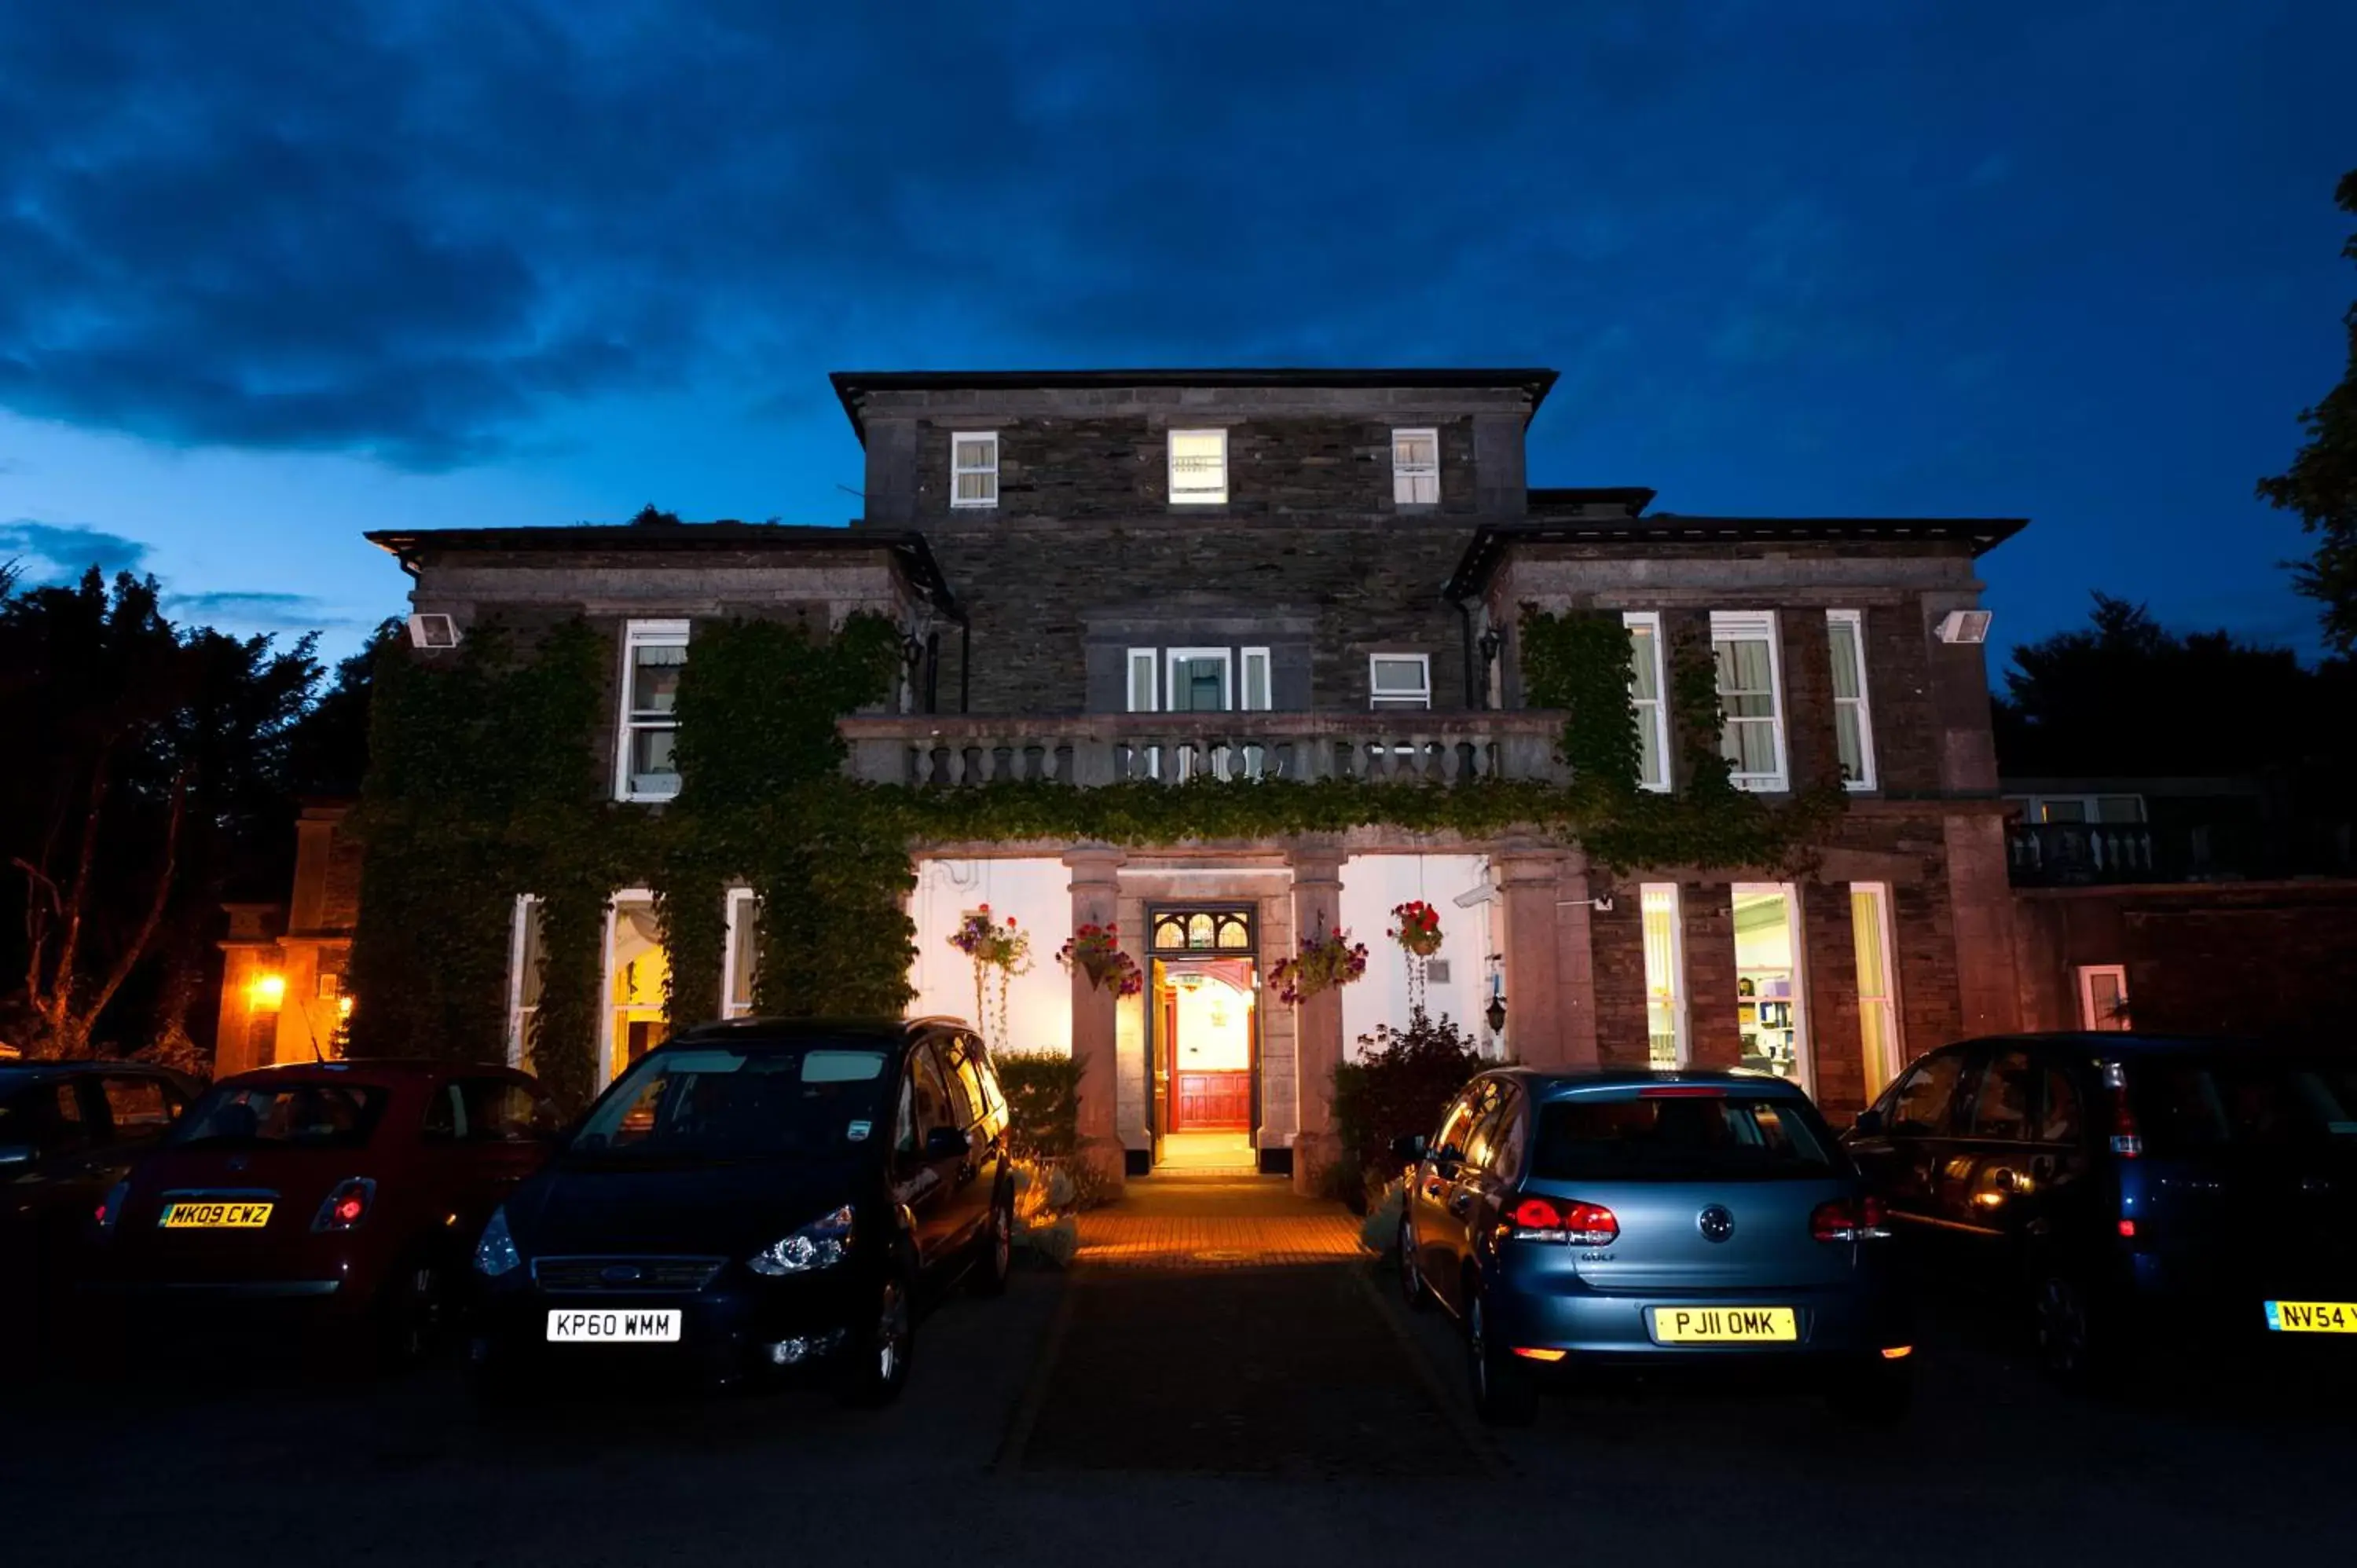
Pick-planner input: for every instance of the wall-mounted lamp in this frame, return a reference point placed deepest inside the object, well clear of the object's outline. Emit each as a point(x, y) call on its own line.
point(1496, 1015)
point(267, 991)
point(1491, 642)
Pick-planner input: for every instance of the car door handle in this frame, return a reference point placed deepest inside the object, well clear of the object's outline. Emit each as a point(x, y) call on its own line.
point(1459, 1201)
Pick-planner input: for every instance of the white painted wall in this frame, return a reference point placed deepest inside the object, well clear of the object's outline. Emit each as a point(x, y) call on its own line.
point(1372, 884)
point(1038, 893)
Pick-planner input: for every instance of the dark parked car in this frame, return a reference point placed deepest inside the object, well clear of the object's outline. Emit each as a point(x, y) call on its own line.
point(751, 1195)
point(2187, 1194)
point(346, 1193)
point(69, 1131)
point(1653, 1222)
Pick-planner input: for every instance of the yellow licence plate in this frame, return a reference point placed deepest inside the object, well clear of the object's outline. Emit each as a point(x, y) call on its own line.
point(2312, 1317)
point(215, 1216)
point(1723, 1325)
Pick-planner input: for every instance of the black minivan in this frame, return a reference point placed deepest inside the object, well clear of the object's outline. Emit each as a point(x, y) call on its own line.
point(756, 1196)
point(2187, 1195)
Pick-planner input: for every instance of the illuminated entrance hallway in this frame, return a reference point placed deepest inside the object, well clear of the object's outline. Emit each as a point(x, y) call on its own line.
point(1216, 1220)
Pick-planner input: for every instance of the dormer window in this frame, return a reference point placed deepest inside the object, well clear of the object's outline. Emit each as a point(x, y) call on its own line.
point(1415, 468)
point(1199, 467)
point(974, 468)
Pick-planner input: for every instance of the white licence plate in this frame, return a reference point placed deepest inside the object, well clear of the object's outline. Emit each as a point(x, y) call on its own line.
point(569, 1326)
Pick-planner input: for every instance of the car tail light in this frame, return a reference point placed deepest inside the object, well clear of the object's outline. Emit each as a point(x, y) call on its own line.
point(1683, 1091)
point(1845, 1219)
point(1562, 1219)
point(347, 1205)
point(2127, 1138)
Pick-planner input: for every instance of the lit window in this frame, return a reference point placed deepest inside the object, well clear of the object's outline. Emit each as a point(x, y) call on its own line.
point(1415, 468)
point(1769, 1011)
point(1645, 685)
point(1853, 724)
point(741, 961)
point(1199, 680)
point(526, 961)
point(1877, 1000)
point(1256, 687)
point(974, 468)
point(1665, 978)
point(654, 653)
point(1751, 695)
point(637, 981)
point(1399, 681)
point(1199, 466)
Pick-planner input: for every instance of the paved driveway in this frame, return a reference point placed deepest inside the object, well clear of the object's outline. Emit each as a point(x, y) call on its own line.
point(1155, 1414)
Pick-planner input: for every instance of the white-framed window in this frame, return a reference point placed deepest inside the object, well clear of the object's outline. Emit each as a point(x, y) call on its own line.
point(1878, 984)
point(1665, 976)
point(1199, 467)
point(654, 652)
point(2104, 997)
point(1647, 682)
point(1399, 680)
point(1415, 468)
point(527, 962)
point(1853, 720)
point(974, 468)
point(1751, 691)
point(1259, 695)
point(1143, 686)
point(741, 953)
point(1200, 680)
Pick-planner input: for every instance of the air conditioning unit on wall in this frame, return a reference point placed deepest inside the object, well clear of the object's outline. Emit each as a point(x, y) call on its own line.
point(433, 631)
point(1964, 625)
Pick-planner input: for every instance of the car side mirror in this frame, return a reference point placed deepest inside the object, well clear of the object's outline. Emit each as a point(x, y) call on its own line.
point(1408, 1148)
point(15, 1156)
point(947, 1143)
point(1869, 1124)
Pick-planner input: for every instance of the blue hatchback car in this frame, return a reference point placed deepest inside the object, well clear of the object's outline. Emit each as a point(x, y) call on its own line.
point(1651, 1222)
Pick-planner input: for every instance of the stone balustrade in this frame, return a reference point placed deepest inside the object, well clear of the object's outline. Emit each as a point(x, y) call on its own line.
point(1092, 749)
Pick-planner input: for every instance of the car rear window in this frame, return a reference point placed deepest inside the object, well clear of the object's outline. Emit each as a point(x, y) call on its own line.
point(1682, 1138)
point(2189, 1104)
point(726, 1103)
point(298, 1115)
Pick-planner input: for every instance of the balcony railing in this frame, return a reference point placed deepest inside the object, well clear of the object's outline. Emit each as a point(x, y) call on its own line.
point(2065, 855)
point(1092, 749)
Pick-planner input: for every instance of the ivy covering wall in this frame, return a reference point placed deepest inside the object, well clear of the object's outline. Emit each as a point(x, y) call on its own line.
point(489, 785)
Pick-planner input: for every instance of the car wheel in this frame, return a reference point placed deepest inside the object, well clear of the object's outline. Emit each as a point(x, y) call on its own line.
point(878, 1366)
point(2071, 1347)
point(1411, 1277)
point(1877, 1395)
point(1504, 1394)
point(997, 1260)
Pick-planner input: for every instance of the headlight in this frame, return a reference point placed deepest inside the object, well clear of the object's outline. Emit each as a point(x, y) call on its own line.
point(496, 1253)
point(820, 1244)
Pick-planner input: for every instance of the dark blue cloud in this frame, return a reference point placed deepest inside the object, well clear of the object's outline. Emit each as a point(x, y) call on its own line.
point(60, 553)
point(257, 611)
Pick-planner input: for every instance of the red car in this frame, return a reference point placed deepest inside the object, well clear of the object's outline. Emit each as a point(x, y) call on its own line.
point(349, 1194)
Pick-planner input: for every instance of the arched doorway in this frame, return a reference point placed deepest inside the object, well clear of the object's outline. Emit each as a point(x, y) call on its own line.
point(1204, 1010)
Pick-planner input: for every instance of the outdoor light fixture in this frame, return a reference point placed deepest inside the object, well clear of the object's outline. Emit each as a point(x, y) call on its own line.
point(1964, 625)
point(1491, 641)
point(267, 990)
point(913, 650)
point(1496, 1015)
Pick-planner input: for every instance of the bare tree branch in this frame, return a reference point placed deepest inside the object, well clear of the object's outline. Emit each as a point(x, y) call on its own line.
point(136, 948)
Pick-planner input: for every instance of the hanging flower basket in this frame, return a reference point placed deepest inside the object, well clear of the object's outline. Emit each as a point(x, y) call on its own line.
point(1324, 963)
point(1415, 926)
point(1000, 951)
point(1095, 951)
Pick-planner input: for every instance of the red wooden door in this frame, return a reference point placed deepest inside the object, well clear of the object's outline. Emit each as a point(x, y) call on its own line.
point(1211, 1102)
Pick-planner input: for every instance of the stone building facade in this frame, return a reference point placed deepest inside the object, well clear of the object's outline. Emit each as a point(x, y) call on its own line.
point(1282, 575)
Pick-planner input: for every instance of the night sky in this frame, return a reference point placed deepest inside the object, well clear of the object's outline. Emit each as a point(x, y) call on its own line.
point(274, 273)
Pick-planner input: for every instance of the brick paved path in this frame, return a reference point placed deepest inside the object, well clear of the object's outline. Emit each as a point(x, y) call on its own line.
point(1187, 1221)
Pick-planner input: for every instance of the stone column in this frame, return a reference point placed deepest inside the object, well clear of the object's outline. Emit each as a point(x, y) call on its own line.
point(1980, 892)
point(1549, 964)
point(1095, 893)
point(1318, 1022)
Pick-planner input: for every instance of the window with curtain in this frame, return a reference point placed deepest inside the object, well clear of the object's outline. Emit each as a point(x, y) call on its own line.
point(1199, 466)
point(1645, 686)
point(655, 654)
point(1878, 995)
point(1415, 468)
point(1199, 680)
point(1257, 692)
point(1853, 724)
point(1665, 1002)
point(1143, 685)
point(1750, 692)
point(741, 962)
point(526, 962)
point(974, 468)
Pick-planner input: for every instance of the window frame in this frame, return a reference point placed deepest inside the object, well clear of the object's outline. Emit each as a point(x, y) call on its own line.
point(1152, 659)
point(1869, 773)
point(958, 471)
point(1170, 469)
point(742, 913)
point(608, 1043)
point(1681, 1034)
point(1886, 1003)
point(1656, 764)
point(1248, 658)
point(1404, 475)
point(1378, 700)
point(519, 939)
point(1226, 656)
point(638, 635)
point(1755, 626)
point(2084, 976)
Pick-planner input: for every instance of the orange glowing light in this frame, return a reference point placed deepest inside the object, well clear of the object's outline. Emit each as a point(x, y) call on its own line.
point(266, 990)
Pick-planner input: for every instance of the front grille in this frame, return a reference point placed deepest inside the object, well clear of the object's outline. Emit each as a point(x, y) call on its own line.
point(586, 1276)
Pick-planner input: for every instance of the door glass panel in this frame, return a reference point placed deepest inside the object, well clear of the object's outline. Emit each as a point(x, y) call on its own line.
point(2001, 1106)
point(2059, 1111)
point(1921, 1104)
point(136, 1106)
